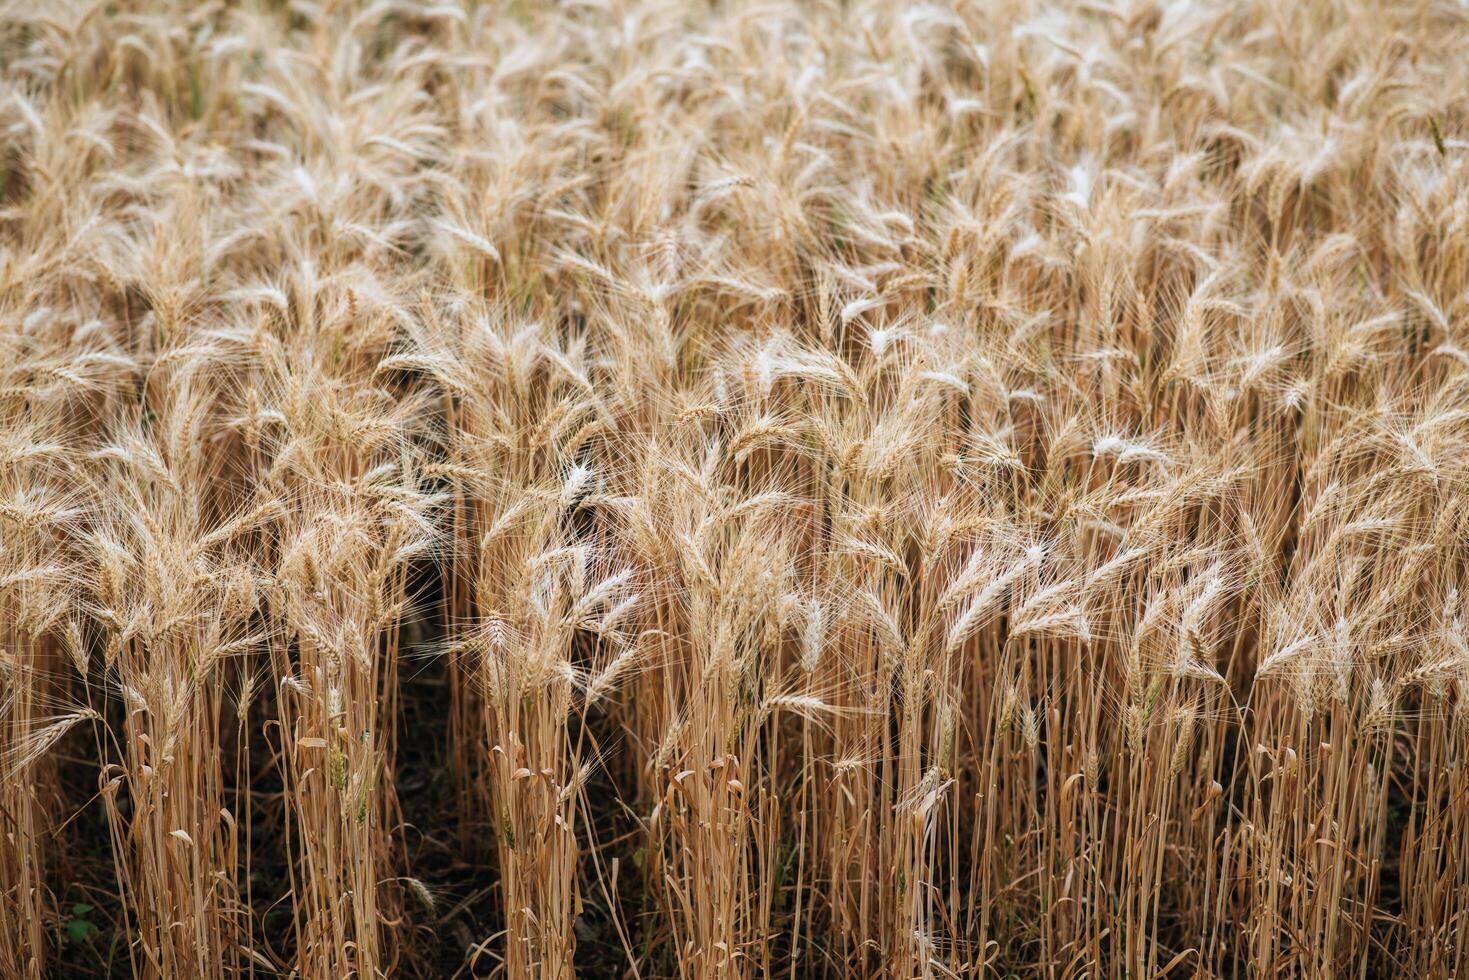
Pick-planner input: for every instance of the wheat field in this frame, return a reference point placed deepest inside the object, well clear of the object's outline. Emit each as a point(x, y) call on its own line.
point(730, 489)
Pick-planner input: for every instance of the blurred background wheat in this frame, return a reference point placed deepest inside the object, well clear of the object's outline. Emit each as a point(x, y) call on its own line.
point(644, 489)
